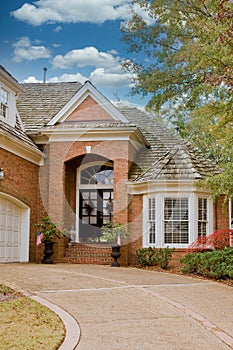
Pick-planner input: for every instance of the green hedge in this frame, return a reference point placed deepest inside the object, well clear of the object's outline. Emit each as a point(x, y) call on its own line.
point(217, 264)
point(153, 256)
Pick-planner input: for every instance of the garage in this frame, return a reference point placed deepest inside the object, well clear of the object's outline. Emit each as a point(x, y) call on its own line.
point(14, 230)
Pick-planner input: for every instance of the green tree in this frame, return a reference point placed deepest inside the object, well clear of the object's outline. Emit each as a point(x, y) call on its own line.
point(188, 72)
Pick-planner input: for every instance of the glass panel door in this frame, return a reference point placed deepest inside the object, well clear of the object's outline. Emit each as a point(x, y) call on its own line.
point(95, 209)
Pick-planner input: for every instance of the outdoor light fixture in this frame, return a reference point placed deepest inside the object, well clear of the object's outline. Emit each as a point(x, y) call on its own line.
point(2, 174)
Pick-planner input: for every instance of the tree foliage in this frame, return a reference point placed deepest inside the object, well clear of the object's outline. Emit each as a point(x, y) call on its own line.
point(188, 71)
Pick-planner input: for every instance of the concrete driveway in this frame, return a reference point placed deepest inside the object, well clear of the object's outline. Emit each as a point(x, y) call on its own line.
point(127, 308)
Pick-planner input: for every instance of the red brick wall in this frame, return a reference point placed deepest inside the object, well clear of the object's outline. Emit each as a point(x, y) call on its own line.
point(135, 226)
point(89, 110)
point(63, 158)
point(22, 182)
point(221, 213)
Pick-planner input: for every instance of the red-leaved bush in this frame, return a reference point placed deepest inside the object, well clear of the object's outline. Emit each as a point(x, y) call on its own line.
point(220, 239)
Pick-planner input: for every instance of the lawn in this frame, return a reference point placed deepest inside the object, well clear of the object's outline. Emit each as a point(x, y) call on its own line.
point(26, 324)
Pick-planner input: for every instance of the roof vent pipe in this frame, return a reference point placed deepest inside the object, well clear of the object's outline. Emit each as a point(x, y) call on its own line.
point(45, 70)
point(177, 129)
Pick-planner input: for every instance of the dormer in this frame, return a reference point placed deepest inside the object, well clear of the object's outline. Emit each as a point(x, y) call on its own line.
point(9, 89)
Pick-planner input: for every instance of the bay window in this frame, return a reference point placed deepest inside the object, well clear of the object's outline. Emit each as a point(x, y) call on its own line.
point(176, 220)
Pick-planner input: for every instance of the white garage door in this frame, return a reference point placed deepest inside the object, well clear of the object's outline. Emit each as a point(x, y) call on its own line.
point(10, 231)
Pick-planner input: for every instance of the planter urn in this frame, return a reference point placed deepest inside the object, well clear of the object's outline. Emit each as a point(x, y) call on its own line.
point(115, 254)
point(48, 252)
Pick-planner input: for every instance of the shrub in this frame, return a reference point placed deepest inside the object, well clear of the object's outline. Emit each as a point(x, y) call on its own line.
point(152, 256)
point(146, 256)
point(217, 264)
point(218, 240)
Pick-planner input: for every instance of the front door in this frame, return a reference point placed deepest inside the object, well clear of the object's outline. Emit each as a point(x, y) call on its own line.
point(95, 209)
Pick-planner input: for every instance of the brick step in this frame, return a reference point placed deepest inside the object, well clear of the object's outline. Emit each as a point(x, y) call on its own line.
point(79, 253)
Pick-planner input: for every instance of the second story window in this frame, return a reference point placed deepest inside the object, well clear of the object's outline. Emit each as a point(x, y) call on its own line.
point(4, 102)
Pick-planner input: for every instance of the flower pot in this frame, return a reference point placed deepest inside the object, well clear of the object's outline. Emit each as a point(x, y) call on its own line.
point(48, 252)
point(115, 254)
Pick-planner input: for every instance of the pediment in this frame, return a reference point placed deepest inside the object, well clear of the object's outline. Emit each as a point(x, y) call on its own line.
point(88, 105)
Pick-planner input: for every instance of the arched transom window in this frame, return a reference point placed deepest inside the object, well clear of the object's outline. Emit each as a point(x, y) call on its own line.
point(97, 175)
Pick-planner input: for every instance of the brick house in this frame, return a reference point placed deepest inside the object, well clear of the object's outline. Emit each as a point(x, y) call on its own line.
point(68, 152)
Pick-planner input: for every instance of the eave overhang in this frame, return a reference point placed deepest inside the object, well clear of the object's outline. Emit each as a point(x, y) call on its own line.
point(161, 186)
point(71, 133)
point(21, 149)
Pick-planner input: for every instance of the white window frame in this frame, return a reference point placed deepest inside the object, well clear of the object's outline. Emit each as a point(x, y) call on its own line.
point(176, 220)
point(4, 100)
point(159, 217)
point(202, 220)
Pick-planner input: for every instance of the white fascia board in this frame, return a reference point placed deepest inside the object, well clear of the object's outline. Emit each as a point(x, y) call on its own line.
point(87, 90)
point(21, 149)
point(10, 82)
point(163, 186)
point(88, 134)
point(138, 139)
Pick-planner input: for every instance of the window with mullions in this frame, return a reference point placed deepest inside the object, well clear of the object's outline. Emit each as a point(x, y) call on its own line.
point(97, 175)
point(151, 220)
point(202, 216)
point(176, 221)
point(3, 101)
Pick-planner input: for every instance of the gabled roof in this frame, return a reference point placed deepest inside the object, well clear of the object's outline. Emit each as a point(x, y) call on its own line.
point(40, 102)
point(87, 90)
point(165, 156)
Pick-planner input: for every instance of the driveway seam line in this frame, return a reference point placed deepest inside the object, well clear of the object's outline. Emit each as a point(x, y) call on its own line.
point(218, 332)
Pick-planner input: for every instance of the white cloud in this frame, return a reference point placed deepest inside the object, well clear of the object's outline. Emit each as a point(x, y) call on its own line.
point(32, 79)
point(74, 11)
point(121, 103)
point(58, 29)
point(63, 78)
point(102, 77)
point(107, 69)
point(88, 56)
point(25, 51)
point(68, 77)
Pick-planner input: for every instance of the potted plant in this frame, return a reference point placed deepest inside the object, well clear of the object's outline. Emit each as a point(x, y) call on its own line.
point(114, 234)
point(47, 230)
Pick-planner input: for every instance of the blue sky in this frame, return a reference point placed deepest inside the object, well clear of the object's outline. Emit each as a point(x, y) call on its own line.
point(76, 40)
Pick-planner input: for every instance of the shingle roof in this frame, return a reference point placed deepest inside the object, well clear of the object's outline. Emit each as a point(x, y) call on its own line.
point(39, 103)
point(17, 134)
point(168, 157)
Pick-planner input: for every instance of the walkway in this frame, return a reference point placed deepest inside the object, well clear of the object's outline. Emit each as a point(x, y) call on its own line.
point(127, 308)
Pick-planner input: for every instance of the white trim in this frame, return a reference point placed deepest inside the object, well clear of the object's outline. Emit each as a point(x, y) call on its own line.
point(159, 209)
point(8, 80)
point(193, 218)
point(88, 133)
point(229, 213)
point(24, 227)
point(20, 149)
point(87, 90)
point(77, 205)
